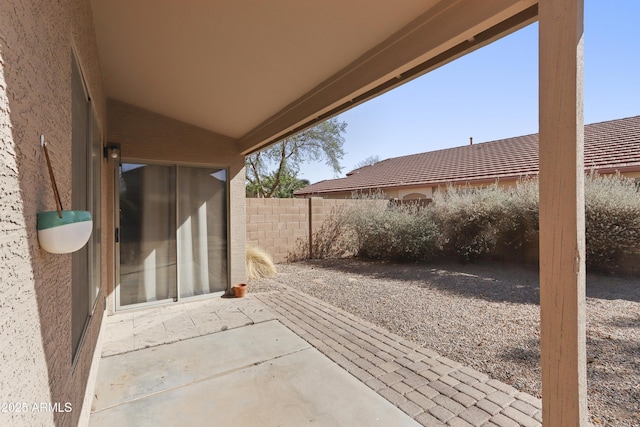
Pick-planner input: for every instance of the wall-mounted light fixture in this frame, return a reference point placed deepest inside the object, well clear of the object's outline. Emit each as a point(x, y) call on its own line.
point(111, 151)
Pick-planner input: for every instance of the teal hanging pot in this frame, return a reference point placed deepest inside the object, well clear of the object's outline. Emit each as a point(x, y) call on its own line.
point(60, 231)
point(63, 235)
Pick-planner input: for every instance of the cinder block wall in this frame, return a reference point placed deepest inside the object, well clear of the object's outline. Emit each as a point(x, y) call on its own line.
point(276, 225)
point(281, 226)
point(321, 208)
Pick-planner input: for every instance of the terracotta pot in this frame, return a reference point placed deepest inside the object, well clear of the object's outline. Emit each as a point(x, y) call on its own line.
point(240, 290)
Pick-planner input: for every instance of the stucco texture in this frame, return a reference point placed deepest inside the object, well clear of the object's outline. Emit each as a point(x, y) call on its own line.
point(36, 361)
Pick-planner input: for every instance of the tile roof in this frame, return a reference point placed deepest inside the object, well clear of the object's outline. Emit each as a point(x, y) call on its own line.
point(609, 146)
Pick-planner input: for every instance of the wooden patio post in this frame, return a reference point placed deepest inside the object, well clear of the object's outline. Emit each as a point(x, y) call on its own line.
point(562, 226)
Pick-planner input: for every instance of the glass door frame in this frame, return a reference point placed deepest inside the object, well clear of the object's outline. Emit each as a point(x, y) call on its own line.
point(117, 228)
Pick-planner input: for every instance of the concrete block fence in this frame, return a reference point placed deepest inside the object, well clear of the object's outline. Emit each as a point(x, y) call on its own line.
point(282, 226)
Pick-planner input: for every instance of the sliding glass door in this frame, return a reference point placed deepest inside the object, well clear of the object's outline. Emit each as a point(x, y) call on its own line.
point(148, 256)
point(202, 231)
point(173, 232)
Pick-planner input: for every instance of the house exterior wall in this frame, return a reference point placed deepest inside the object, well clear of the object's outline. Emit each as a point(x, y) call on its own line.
point(507, 183)
point(415, 193)
point(429, 190)
point(146, 136)
point(36, 44)
point(337, 195)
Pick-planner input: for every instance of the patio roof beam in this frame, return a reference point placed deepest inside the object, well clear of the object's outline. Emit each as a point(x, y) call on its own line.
point(442, 34)
point(562, 225)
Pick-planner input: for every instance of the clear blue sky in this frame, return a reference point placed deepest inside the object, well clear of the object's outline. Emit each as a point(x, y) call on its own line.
point(492, 93)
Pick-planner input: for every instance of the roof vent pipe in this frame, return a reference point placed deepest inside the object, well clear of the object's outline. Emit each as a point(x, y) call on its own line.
point(470, 140)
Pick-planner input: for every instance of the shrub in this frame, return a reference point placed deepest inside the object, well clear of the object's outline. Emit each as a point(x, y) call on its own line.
point(333, 239)
point(393, 232)
point(470, 222)
point(519, 221)
point(469, 218)
point(612, 216)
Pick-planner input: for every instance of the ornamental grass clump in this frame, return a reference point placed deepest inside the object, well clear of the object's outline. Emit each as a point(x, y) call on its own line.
point(259, 263)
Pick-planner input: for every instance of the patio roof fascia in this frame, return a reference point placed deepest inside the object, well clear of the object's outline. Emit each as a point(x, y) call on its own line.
point(440, 35)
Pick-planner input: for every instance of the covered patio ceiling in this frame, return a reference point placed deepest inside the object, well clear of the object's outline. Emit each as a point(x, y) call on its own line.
point(257, 71)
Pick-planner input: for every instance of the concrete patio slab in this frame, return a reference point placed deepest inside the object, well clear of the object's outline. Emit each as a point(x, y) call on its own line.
point(259, 375)
point(286, 359)
point(138, 329)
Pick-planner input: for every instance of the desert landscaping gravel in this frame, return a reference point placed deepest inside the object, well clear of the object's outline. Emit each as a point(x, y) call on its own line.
point(486, 316)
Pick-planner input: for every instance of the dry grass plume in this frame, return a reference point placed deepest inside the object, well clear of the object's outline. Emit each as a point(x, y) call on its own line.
point(259, 264)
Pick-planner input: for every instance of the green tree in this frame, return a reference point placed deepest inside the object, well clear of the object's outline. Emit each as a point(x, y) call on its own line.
point(271, 171)
point(287, 185)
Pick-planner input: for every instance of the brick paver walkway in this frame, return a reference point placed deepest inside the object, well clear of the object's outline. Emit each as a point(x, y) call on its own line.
point(432, 389)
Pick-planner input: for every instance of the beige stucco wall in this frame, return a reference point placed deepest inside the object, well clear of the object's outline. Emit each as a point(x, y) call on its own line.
point(386, 193)
point(415, 193)
point(36, 43)
point(428, 190)
point(146, 136)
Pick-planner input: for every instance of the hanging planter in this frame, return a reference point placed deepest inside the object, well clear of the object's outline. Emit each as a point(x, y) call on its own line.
point(60, 231)
point(61, 235)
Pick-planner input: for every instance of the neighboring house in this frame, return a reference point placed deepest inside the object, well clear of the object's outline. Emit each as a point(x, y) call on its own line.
point(150, 107)
point(609, 147)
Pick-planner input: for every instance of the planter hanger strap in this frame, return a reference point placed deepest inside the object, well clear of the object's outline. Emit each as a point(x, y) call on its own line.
point(53, 180)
